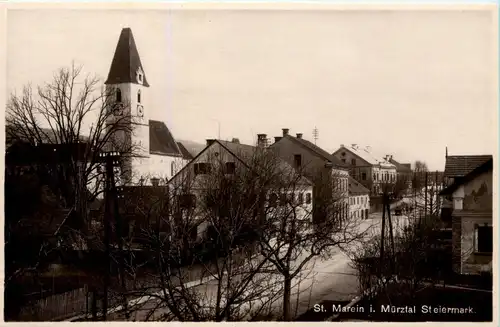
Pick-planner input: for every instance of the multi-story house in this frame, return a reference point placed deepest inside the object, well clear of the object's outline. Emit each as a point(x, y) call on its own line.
point(403, 172)
point(471, 195)
point(189, 185)
point(317, 164)
point(359, 200)
point(370, 170)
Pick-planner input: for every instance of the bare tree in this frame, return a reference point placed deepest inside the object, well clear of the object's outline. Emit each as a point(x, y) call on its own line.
point(56, 133)
point(244, 228)
point(72, 110)
point(295, 235)
point(410, 265)
point(209, 234)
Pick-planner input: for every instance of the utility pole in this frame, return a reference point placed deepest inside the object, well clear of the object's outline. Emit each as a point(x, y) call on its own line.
point(437, 194)
point(382, 235)
point(391, 235)
point(425, 196)
point(431, 199)
point(110, 159)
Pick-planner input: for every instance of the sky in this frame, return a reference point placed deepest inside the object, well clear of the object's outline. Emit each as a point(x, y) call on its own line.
point(405, 82)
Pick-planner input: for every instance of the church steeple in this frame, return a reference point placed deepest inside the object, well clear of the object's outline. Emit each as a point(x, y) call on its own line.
point(126, 66)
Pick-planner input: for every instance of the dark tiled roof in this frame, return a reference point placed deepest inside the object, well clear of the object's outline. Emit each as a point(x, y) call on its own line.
point(355, 188)
point(401, 167)
point(24, 134)
point(460, 166)
point(245, 153)
point(485, 166)
point(192, 147)
point(185, 153)
point(126, 61)
point(319, 151)
point(26, 154)
point(161, 141)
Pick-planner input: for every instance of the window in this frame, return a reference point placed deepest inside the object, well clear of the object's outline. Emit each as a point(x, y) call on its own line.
point(363, 176)
point(300, 198)
point(230, 167)
point(118, 95)
point(343, 154)
point(139, 96)
point(172, 168)
point(353, 162)
point(139, 77)
point(297, 160)
point(308, 198)
point(343, 160)
point(357, 200)
point(202, 168)
point(483, 239)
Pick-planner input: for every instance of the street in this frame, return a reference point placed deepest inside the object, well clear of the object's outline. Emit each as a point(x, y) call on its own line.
point(332, 279)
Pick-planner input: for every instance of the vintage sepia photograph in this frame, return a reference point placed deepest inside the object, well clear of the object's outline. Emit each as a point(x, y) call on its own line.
point(248, 163)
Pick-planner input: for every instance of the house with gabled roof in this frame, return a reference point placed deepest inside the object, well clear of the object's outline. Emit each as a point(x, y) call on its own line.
point(316, 164)
point(458, 166)
point(160, 156)
point(366, 167)
point(230, 157)
point(471, 195)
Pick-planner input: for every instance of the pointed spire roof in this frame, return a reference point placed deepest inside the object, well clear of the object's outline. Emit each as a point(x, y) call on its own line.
point(126, 61)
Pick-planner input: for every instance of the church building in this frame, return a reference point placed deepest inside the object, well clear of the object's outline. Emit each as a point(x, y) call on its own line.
point(157, 156)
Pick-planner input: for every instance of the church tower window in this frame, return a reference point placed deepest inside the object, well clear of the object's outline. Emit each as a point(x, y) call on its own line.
point(118, 95)
point(139, 96)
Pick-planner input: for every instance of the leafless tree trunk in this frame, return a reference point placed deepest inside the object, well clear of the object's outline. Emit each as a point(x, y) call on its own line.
point(73, 114)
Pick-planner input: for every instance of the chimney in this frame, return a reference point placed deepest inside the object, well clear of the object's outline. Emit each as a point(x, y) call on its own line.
point(285, 131)
point(299, 135)
point(277, 139)
point(446, 152)
point(342, 146)
point(354, 146)
point(261, 140)
point(155, 181)
point(210, 141)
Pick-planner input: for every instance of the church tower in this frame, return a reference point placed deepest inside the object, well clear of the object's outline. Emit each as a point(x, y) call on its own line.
point(127, 86)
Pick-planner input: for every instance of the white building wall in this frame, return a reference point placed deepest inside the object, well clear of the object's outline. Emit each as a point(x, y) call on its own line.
point(358, 204)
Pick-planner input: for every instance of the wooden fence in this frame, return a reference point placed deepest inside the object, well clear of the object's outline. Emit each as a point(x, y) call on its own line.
point(57, 307)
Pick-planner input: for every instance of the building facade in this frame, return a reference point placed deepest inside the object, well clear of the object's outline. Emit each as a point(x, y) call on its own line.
point(236, 159)
point(366, 168)
point(472, 220)
point(403, 172)
point(359, 200)
point(157, 156)
point(317, 165)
